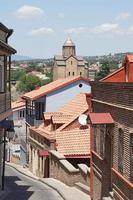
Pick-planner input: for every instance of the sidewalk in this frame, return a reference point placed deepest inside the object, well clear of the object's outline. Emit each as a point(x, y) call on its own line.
point(66, 192)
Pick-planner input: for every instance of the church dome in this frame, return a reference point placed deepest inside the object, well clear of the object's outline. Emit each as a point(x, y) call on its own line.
point(68, 43)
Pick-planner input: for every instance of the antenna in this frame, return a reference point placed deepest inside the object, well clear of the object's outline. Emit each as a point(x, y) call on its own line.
point(83, 119)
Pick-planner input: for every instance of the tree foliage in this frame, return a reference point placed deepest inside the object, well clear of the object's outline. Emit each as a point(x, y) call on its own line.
point(17, 74)
point(28, 82)
point(104, 71)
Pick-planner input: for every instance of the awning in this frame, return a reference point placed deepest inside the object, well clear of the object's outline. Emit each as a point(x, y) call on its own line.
point(43, 153)
point(101, 118)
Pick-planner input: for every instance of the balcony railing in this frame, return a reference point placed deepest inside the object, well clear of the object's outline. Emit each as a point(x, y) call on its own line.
point(31, 120)
point(5, 102)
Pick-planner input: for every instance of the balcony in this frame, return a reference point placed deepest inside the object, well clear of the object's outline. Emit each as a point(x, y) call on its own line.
point(32, 121)
point(5, 105)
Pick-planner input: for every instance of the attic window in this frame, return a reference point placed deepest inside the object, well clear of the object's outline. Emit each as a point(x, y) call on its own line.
point(80, 85)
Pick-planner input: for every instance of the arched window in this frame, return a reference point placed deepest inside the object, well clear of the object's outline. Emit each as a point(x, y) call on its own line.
point(73, 73)
point(120, 150)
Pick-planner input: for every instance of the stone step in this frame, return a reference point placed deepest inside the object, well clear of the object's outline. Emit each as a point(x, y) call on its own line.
point(82, 187)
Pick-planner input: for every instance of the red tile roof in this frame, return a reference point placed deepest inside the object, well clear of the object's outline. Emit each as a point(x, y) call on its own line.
point(122, 74)
point(61, 119)
point(18, 104)
point(76, 106)
point(74, 142)
point(48, 115)
point(100, 118)
point(129, 57)
point(116, 76)
point(51, 87)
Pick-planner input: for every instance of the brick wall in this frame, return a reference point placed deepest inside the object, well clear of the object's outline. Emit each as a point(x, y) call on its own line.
point(119, 93)
point(117, 99)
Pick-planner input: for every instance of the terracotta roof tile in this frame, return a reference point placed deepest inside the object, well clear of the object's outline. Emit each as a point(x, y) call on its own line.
point(48, 115)
point(61, 119)
point(73, 142)
point(53, 86)
point(43, 132)
point(18, 104)
point(76, 106)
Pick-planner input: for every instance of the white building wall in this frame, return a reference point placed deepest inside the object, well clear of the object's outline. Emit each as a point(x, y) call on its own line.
point(57, 99)
point(19, 124)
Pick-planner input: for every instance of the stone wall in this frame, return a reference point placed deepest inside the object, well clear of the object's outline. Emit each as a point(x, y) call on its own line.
point(62, 170)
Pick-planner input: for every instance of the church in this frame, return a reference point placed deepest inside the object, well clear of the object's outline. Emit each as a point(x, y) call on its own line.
point(68, 64)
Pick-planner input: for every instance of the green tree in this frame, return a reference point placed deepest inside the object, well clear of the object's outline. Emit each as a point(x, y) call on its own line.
point(104, 71)
point(28, 83)
point(17, 74)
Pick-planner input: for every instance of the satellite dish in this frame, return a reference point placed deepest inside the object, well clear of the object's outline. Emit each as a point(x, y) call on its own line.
point(83, 119)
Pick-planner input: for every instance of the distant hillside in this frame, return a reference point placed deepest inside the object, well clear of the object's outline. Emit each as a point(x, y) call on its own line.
point(20, 58)
point(117, 57)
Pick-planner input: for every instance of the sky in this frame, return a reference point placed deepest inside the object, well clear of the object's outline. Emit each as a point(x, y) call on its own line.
point(97, 27)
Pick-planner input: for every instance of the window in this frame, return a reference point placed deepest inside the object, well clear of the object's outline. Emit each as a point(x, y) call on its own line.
point(80, 73)
point(120, 150)
point(21, 114)
point(39, 108)
point(71, 62)
point(99, 139)
point(69, 73)
point(131, 156)
point(73, 73)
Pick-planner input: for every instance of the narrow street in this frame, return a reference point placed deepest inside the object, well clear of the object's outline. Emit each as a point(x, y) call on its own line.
point(18, 186)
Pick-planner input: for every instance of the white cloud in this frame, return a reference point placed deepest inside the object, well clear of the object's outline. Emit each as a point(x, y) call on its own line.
point(123, 16)
point(130, 30)
point(105, 28)
point(61, 15)
point(41, 31)
point(26, 12)
point(76, 30)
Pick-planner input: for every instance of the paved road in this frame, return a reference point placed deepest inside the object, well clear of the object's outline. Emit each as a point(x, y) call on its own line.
point(20, 187)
